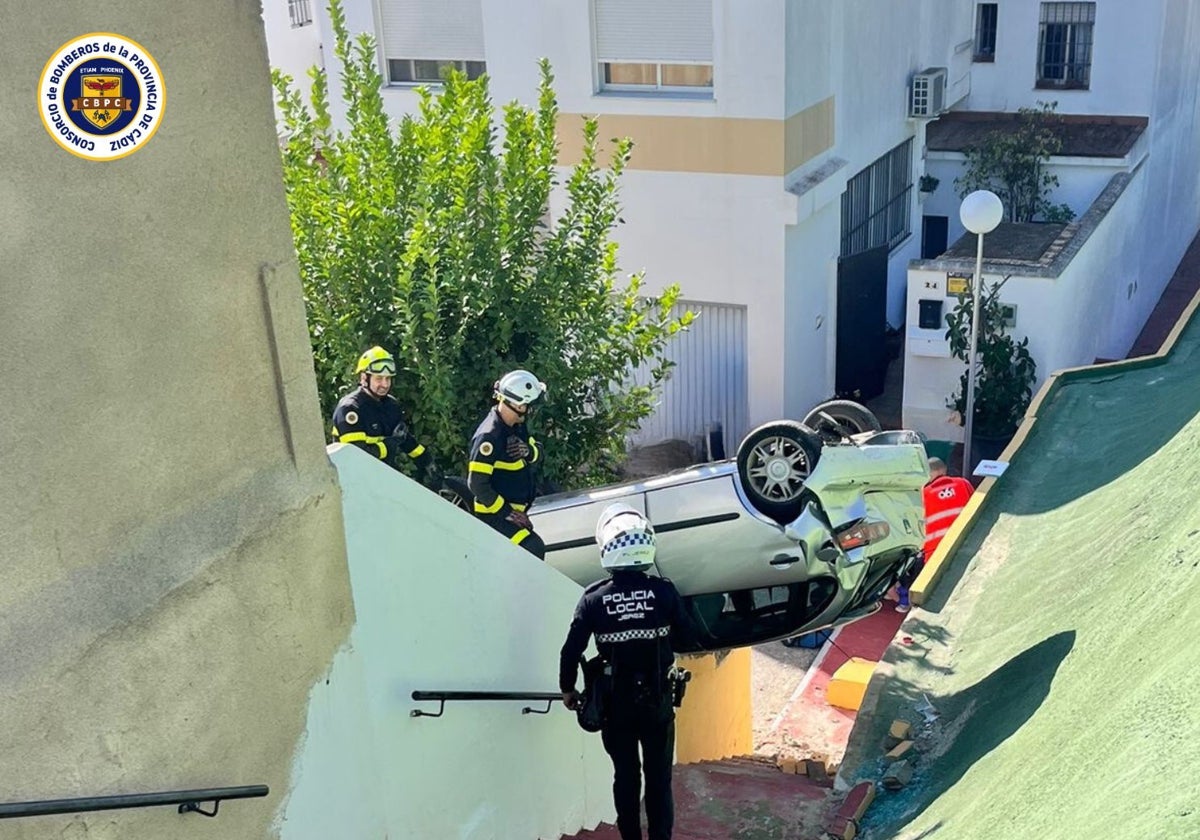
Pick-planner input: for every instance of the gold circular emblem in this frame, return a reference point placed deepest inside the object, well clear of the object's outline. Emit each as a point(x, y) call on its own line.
point(485, 448)
point(351, 417)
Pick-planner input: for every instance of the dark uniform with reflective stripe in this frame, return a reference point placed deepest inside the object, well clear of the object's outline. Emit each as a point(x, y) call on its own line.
point(370, 423)
point(502, 479)
point(632, 616)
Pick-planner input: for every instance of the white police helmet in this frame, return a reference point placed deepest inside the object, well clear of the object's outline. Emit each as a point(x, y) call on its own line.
point(519, 387)
point(625, 537)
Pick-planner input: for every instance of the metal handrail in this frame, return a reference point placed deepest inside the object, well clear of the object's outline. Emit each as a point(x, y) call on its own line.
point(442, 697)
point(187, 800)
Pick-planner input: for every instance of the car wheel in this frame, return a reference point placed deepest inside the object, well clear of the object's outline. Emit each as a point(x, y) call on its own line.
point(836, 420)
point(455, 491)
point(773, 463)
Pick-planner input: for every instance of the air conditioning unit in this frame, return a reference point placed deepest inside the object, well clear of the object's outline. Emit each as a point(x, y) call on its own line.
point(927, 96)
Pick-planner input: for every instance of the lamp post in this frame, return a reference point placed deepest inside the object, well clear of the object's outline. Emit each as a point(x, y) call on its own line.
point(980, 212)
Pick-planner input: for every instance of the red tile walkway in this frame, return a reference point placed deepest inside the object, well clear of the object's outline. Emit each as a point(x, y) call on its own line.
point(809, 720)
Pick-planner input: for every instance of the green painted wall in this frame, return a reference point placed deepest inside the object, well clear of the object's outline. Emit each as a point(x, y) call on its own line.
point(1060, 649)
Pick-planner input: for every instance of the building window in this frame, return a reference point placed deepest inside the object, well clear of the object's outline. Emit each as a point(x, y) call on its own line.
point(300, 13)
point(985, 32)
point(648, 76)
point(665, 46)
point(411, 71)
point(422, 39)
point(875, 205)
point(1065, 45)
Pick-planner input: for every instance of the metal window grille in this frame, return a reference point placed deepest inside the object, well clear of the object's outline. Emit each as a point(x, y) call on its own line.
point(300, 12)
point(875, 205)
point(1065, 44)
point(985, 31)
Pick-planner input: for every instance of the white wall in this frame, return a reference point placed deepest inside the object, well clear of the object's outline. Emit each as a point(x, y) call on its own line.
point(718, 236)
point(292, 50)
point(1125, 54)
point(442, 603)
point(883, 45)
point(808, 354)
point(1092, 309)
point(1080, 181)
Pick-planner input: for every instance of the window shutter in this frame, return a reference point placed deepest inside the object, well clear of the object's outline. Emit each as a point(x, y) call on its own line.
point(663, 31)
point(433, 29)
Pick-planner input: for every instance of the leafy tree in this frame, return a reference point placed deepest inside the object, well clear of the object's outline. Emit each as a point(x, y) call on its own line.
point(1005, 369)
point(433, 238)
point(1011, 162)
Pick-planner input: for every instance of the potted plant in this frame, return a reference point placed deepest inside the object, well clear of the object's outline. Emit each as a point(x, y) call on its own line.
point(928, 183)
point(1005, 372)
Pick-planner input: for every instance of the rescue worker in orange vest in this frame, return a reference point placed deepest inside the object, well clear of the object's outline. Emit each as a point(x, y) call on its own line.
point(945, 497)
point(500, 474)
point(370, 418)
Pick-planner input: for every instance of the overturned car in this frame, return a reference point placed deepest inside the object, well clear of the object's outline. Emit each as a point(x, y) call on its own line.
point(808, 527)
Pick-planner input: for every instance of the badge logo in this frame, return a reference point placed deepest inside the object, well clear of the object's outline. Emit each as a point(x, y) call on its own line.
point(101, 96)
point(485, 448)
point(351, 417)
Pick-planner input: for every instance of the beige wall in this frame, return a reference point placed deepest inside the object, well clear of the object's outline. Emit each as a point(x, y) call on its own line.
point(713, 145)
point(170, 526)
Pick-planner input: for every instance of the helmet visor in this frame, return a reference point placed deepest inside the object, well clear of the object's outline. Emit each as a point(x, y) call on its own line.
point(382, 367)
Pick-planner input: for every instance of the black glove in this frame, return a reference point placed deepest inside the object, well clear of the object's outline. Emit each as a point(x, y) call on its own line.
point(518, 518)
point(516, 448)
point(432, 477)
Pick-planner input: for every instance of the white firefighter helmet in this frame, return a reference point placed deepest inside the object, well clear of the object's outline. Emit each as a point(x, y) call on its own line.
point(519, 387)
point(625, 537)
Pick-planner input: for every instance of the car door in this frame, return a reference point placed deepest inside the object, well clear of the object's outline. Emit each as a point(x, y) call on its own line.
point(567, 525)
point(709, 541)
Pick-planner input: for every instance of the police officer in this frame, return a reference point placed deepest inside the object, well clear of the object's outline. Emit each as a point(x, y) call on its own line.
point(500, 474)
point(632, 616)
point(370, 418)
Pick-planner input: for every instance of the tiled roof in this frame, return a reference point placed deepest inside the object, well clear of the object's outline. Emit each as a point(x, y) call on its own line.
point(1082, 135)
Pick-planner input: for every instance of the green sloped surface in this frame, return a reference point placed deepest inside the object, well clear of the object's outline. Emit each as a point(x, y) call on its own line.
point(1062, 648)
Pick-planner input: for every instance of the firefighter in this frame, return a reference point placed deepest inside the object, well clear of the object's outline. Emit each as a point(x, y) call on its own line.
point(945, 496)
point(370, 418)
point(633, 617)
point(504, 456)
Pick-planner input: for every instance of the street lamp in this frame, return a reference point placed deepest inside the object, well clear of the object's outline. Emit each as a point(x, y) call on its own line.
point(980, 212)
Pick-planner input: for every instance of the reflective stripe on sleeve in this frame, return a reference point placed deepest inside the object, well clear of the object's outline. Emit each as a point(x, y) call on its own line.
point(479, 467)
point(492, 508)
point(418, 452)
point(519, 536)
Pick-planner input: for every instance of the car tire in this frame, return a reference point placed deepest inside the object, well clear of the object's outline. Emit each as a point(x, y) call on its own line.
point(455, 491)
point(836, 420)
point(773, 462)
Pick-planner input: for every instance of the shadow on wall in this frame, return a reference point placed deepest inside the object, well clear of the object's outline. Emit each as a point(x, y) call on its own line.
point(980, 718)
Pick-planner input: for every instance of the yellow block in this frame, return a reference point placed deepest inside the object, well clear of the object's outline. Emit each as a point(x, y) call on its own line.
point(715, 720)
point(849, 684)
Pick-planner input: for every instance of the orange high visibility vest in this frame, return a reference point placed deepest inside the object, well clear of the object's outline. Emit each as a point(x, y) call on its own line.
point(945, 497)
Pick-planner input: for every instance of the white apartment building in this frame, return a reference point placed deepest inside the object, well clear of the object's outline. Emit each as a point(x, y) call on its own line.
point(772, 177)
point(1127, 75)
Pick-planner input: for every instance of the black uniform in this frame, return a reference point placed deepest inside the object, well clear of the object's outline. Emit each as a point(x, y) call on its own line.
point(377, 426)
point(632, 616)
point(501, 477)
